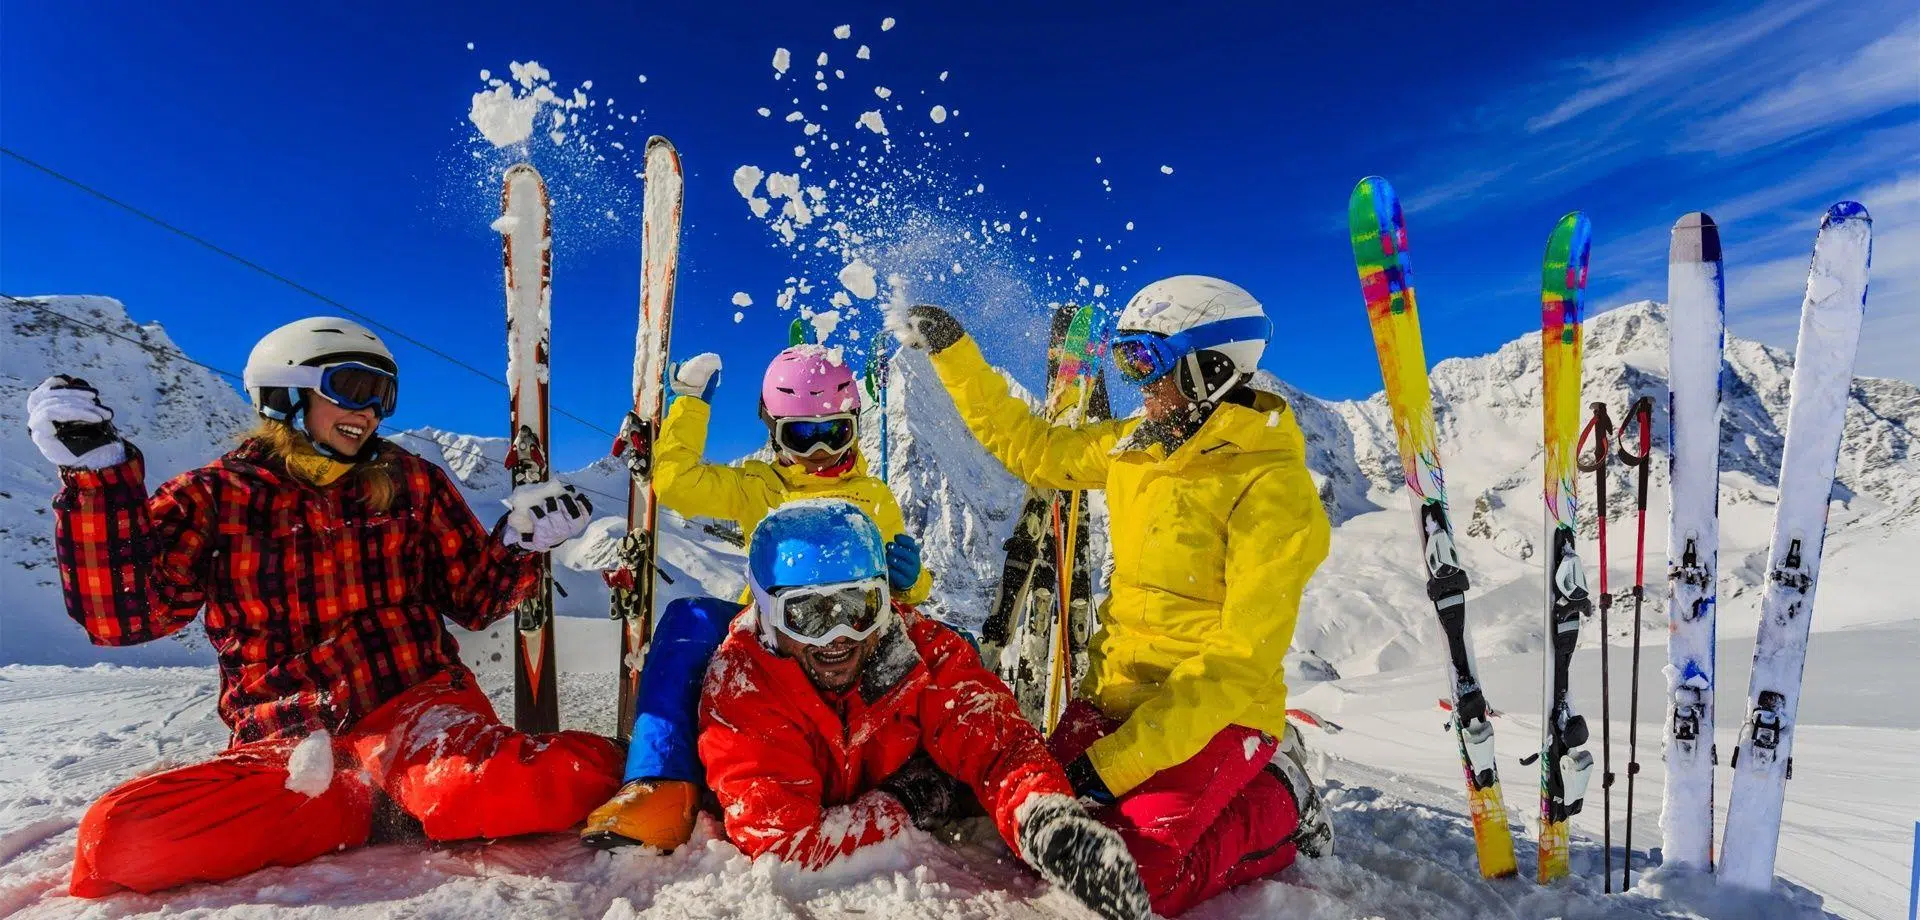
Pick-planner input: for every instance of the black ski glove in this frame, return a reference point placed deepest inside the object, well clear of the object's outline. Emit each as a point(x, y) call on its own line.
point(1075, 852)
point(1086, 781)
point(927, 792)
point(924, 327)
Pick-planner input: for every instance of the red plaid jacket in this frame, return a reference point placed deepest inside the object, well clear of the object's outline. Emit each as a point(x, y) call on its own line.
point(319, 609)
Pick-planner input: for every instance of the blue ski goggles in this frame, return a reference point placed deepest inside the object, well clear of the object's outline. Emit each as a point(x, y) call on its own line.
point(1144, 357)
point(801, 436)
point(350, 385)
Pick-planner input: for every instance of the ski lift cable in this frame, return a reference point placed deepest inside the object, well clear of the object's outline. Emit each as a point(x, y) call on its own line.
point(276, 276)
point(620, 500)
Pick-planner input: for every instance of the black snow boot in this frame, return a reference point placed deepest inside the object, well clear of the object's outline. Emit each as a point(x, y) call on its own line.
point(1314, 837)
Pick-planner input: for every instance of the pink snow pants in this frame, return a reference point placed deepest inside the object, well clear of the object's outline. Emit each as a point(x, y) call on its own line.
point(1199, 828)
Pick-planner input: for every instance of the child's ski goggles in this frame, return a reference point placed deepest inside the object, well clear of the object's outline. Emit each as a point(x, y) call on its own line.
point(1144, 357)
point(804, 435)
point(821, 614)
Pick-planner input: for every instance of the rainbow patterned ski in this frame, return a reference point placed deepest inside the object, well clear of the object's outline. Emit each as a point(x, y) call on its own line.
point(1379, 236)
point(1564, 768)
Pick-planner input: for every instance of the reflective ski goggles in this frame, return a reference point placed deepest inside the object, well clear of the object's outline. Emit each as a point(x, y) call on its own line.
point(804, 435)
point(348, 384)
point(1144, 357)
point(822, 614)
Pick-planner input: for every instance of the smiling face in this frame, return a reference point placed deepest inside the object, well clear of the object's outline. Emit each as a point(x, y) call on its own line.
point(833, 667)
point(343, 431)
point(821, 460)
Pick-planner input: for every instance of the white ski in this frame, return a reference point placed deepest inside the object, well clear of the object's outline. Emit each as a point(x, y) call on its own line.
point(526, 230)
point(1816, 418)
point(1696, 330)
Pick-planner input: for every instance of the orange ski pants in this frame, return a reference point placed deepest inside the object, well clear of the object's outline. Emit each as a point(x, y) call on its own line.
point(437, 750)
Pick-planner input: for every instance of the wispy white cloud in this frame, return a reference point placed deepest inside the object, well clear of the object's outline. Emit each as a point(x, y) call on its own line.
point(1881, 77)
point(1666, 60)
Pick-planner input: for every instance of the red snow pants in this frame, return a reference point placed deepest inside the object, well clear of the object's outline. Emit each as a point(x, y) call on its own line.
point(437, 750)
point(1197, 829)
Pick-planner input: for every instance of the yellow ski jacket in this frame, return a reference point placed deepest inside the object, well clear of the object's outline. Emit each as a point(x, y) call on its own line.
point(748, 492)
point(1212, 548)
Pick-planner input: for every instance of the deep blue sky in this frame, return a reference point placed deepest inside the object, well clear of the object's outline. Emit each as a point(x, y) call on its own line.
point(330, 143)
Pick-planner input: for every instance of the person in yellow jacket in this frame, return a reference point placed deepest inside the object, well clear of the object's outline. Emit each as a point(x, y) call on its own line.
point(810, 402)
point(1216, 527)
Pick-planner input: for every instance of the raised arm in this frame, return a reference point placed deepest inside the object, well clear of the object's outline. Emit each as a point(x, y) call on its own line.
point(689, 485)
point(133, 568)
point(1031, 447)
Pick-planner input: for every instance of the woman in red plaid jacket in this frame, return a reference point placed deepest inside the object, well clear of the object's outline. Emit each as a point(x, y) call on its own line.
point(327, 561)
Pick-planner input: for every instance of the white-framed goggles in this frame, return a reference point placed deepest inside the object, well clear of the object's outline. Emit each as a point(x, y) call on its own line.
point(351, 385)
point(823, 614)
point(799, 436)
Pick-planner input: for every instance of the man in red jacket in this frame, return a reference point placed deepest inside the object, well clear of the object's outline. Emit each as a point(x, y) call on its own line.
point(327, 562)
point(831, 720)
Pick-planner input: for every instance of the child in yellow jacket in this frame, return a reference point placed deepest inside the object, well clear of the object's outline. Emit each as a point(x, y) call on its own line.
point(1216, 527)
point(810, 402)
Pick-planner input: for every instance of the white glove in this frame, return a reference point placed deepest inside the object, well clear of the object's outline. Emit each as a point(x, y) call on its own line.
point(543, 515)
point(71, 426)
point(697, 376)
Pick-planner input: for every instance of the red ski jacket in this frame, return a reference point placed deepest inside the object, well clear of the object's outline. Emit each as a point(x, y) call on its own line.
point(796, 769)
point(318, 608)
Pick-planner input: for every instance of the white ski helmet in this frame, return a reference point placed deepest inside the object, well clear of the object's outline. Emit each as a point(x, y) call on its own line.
point(273, 376)
point(1193, 313)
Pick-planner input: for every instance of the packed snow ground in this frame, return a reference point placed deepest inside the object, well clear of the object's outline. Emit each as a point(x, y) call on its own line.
point(71, 733)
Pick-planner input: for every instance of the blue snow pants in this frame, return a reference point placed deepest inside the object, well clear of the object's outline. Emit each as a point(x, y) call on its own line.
point(667, 725)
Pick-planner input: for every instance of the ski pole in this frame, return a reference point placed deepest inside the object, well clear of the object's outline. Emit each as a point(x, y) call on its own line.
point(1600, 427)
point(1641, 414)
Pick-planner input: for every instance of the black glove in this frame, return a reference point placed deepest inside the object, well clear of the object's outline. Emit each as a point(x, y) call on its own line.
point(1087, 858)
point(1086, 781)
point(927, 792)
point(924, 327)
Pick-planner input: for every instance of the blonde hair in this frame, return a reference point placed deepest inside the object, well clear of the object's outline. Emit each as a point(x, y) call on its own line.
point(375, 477)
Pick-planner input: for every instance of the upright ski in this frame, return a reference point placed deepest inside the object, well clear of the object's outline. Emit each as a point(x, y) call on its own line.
point(632, 582)
point(1564, 767)
point(1816, 417)
point(1696, 330)
point(1079, 390)
point(1016, 637)
point(527, 252)
point(1379, 236)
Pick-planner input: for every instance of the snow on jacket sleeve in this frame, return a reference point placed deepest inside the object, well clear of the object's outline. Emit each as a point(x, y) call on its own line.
point(972, 728)
point(133, 569)
point(689, 485)
point(1277, 535)
point(477, 578)
point(770, 789)
point(1032, 449)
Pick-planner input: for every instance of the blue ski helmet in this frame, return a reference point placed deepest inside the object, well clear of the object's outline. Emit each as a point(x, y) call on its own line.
point(815, 542)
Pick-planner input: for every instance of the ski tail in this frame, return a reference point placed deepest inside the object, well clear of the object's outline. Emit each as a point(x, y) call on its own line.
point(527, 254)
point(634, 580)
point(1564, 766)
point(1696, 328)
point(1823, 359)
point(1379, 236)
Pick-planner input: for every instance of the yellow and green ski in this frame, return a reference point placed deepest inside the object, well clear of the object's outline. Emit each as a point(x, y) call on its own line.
point(1379, 236)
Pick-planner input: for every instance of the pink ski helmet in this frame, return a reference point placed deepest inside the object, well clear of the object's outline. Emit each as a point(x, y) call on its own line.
point(807, 380)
